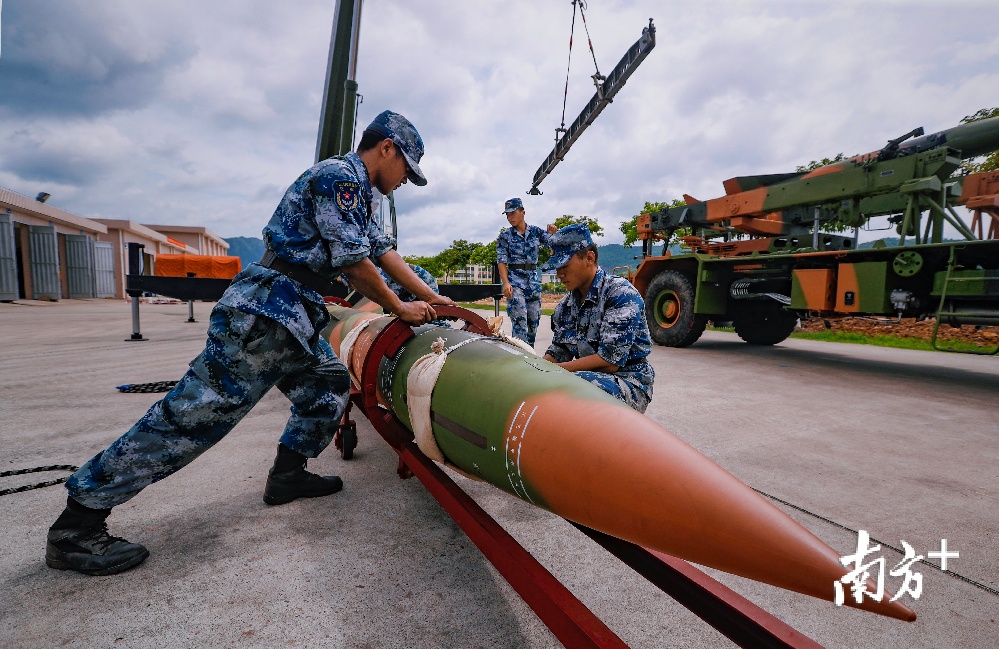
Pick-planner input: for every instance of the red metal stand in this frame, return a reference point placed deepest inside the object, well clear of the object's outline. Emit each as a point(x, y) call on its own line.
point(569, 620)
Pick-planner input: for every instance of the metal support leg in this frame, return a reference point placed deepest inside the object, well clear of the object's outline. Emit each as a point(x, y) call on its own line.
point(136, 333)
point(190, 311)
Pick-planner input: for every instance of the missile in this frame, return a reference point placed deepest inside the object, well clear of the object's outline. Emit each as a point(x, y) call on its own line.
point(534, 430)
point(972, 139)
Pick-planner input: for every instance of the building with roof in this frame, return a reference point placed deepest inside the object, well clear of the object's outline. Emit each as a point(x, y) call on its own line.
point(121, 232)
point(49, 253)
point(196, 237)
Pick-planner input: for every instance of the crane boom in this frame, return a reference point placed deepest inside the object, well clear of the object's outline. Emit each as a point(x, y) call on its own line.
point(606, 90)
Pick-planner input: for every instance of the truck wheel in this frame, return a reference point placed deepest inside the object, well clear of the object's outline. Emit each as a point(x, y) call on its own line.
point(766, 327)
point(669, 310)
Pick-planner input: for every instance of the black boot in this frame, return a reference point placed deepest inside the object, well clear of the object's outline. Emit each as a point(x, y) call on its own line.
point(288, 479)
point(79, 541)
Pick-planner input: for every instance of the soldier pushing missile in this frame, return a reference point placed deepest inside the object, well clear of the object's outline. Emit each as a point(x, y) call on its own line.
point(265, 331)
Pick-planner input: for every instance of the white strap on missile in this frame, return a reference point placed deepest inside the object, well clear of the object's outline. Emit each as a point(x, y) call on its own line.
point(495, 326)
point(347, 346)
point(420, 386)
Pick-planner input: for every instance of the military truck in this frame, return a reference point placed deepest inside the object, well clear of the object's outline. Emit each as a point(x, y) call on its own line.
point(762, 256)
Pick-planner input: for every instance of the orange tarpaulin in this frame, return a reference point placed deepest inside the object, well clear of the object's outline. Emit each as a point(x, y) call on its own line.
point(201, 265)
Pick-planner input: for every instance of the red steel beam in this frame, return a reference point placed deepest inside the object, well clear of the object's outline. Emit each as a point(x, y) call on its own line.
point(568, 619)
point(734, 616)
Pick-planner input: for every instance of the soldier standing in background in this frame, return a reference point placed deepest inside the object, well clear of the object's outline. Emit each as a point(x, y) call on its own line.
point(517, 250)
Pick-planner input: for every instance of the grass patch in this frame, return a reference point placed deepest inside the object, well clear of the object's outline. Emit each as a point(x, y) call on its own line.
point(881, 340)
point(898, 342)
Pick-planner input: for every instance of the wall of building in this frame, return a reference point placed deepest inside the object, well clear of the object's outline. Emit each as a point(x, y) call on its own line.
point(121, 232)
point(203, 239)
point(26, 212)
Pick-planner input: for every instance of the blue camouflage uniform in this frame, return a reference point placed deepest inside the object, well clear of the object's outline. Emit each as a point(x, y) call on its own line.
point(264, 331)
point(608, 321)
point(524, 306)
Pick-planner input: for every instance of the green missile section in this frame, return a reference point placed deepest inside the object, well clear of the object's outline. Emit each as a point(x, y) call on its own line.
point(972, 139)
point(476, 399)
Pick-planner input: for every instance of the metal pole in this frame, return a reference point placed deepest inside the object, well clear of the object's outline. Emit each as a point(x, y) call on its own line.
point(334, 126)
point(135, 268)
point(496, 280)
point(190, 305)
point(136, 333)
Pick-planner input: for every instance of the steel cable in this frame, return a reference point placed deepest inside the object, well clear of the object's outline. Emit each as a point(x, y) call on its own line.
point(40, 469)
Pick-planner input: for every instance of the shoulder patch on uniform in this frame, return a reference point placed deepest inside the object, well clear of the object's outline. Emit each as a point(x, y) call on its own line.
point(345, 194)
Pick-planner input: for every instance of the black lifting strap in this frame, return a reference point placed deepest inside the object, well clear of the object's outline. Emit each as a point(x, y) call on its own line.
point(40, 469)
point(597, 78)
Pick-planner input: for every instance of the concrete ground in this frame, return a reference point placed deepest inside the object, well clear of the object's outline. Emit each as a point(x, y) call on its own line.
point(903, 444)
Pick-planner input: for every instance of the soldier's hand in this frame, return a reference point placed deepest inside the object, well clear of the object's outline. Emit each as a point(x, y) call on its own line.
point(440, 299)
point(507, 290)
point(416, 313)
point(552, 228)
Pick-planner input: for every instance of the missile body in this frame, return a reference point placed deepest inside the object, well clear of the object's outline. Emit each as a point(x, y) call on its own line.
point(540, 433)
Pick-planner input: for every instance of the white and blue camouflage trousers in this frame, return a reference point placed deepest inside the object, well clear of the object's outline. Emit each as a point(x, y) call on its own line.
point(524, 310)
point(244, 357)
point(617, 387)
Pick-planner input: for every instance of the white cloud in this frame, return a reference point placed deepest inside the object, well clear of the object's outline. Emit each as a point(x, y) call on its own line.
point(203, 113)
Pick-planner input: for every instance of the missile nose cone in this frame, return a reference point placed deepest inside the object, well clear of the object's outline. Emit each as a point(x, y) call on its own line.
point(614, 470)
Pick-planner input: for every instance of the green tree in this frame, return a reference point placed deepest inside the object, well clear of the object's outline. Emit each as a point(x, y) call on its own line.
point(457, 256)
point(815, 164)
point(630, 227)
point(484, 254)
point(596, 229)
point(986, 163)
point(430, 264)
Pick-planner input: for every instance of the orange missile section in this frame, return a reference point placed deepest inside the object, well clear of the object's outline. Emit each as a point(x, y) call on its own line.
point(617, 471)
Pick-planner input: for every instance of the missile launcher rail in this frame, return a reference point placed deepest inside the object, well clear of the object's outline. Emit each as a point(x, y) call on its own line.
point(759, 257)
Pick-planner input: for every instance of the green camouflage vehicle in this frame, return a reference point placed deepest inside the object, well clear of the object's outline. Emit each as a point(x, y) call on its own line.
point(759, 257)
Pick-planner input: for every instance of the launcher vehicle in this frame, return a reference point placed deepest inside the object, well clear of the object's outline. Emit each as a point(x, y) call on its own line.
point(759, 257)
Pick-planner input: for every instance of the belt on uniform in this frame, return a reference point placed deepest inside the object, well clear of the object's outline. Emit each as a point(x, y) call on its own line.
point(301, 274)
point(522, 266)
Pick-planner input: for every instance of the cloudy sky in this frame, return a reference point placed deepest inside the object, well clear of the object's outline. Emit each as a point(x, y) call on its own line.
point(202, 113)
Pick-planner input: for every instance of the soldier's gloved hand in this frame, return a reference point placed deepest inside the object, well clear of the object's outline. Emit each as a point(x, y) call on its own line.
point(416, 313)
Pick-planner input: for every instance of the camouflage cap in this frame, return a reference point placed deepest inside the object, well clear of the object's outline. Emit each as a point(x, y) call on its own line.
point(401, 131)
point(513, 205)
point(567, 242)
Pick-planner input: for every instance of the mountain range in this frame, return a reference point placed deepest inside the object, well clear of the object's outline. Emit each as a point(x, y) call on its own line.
point(250, 249)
